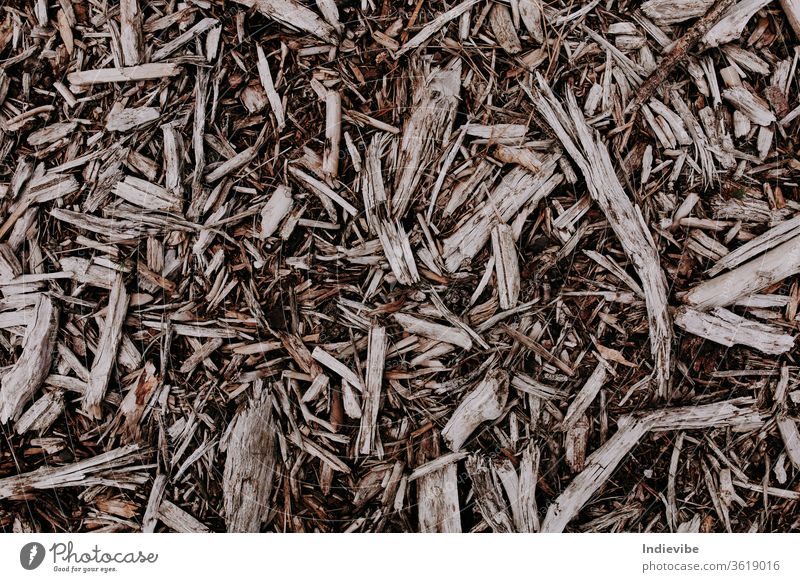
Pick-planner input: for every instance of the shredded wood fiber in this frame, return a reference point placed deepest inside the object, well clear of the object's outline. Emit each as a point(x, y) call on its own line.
point(436, 266)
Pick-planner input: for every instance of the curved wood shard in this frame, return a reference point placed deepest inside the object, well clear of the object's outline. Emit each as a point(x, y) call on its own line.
point(483, 404)
point(591, 156)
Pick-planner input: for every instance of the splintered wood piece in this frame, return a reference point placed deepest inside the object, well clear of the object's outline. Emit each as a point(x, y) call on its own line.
point(498, 132)
point(350, 400)
point(435, 26)
point(130, 38)
point(391, 234)
point(761, 271)
point(323, 454)
point(278, 206)
point(698, 135)
point(322, 190)
point(333, 133)
point(198, 142)
point(154, 500)
point(506, 266)
point(740, 414)
point(64, 25)
point(107, 347)
point(294, 16)
point(434, 331)
point(576, 440)
point(88, 272)
point(133, 406)
point(147, 195)
point(124, 74)
point(507, 474)
point(726, 328)
point(343, 371)
point(525, 383)
point(39, 189)
point(618, 271)
point(518, 188)
point(732, 24)
point(427, 127)
point(787, 427)
point(437, 504)
point(592, 157)
point(792, 10)
point(178, 520)
point(299, 352)
point(397, 249)
point(330, 12)
point(749, 105)
point(525, 157)
point(526, 497)
point(483, 403)
point(671, 480)
point(269, 88)
point(320, 384)
point(539, 350)
point(586, 396)
point(51, 133)
point(376, 358)
point(488, 494)
point(97, 470)
point(783, 232)
point(249, 473)
point(185, 38)
point(673, 120)
point(20, 383)
point(436, 464)
point(41, 415)
point(232, 164)
point(630, 430)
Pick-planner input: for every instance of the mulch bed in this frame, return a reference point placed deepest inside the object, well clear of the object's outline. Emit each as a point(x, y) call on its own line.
point(389, 266)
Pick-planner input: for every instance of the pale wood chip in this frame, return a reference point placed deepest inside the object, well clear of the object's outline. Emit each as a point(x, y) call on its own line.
point(106, 353)
point(25, 377)
point(249, 473)
point(124, 74)
point(726, 328)
point(482, 404)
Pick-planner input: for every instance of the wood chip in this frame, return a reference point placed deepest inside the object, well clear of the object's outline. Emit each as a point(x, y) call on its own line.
point(22, 381)
point(249, 471)
point(108, 345)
